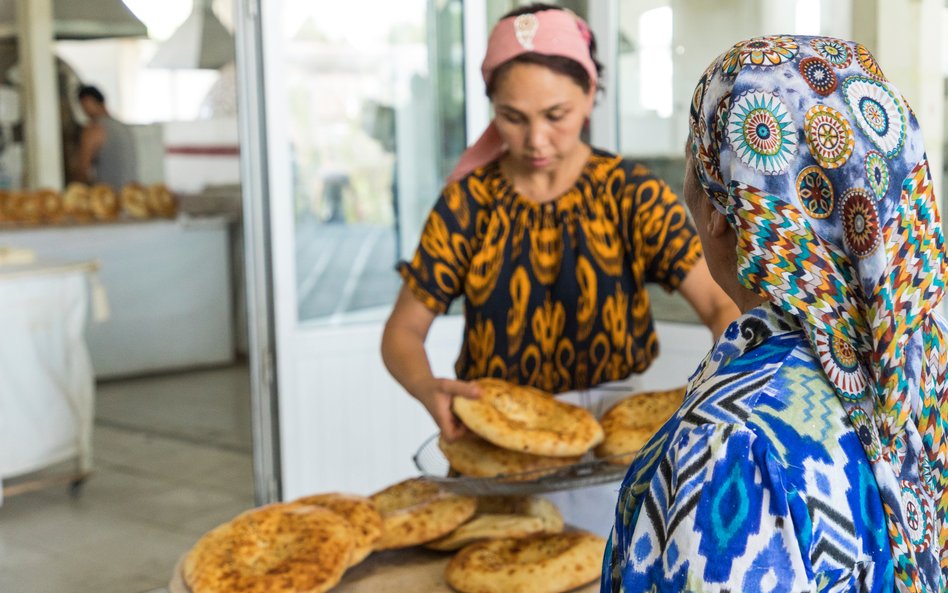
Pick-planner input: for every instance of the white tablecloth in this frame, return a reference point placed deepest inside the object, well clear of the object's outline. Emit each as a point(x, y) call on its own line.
point(46, 379)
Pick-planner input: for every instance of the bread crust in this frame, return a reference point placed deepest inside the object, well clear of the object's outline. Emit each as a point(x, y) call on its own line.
point(472, 456)
point(361, 514)
point(551, 563)
point(278, 548)
point(161, 202)
point(503, 517)
point(76, 202)
point(103, 203)
point(134, 200)
point(630, 423)
point(528, 420)
point(416, 511)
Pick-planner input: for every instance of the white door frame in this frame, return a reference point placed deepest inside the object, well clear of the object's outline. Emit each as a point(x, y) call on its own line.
point(254, 162)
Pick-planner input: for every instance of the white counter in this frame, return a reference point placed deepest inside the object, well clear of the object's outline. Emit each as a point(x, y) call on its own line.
point(169, 288)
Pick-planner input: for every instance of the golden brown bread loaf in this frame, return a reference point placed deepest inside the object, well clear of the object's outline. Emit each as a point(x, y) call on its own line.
point(416, 511)
point(630, 423)
point(76, 202)
point(278, 548)
point(535, 564)
point(161, 202)
point(527, 420)
point(503, 517)
point(472, 456)
point(359, 511)
point(134, 200)
point(103, 203)
point(51, 206)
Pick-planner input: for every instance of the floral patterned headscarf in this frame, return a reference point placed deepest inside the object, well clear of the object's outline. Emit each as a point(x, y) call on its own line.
point(817, 162)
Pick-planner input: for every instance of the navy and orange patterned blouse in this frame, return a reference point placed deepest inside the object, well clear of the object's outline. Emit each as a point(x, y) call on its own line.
point(554, 293)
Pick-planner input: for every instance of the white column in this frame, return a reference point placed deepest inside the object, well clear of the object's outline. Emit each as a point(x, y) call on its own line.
point(604, 123)
point(44, 146)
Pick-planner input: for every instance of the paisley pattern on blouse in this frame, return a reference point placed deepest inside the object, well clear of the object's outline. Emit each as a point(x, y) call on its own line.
point(554, 293)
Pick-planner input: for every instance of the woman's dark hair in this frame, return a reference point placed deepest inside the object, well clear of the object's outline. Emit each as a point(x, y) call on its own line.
point(559, 64)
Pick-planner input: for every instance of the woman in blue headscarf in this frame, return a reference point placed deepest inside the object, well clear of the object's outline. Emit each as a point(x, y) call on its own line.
point(811, 452)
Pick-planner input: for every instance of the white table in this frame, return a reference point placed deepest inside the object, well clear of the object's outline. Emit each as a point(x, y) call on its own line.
point(47, 387)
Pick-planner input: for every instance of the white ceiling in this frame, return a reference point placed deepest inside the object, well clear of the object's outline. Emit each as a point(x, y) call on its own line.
point(81, 19)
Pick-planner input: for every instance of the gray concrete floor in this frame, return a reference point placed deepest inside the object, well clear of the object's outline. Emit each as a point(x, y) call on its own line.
point(172, 460)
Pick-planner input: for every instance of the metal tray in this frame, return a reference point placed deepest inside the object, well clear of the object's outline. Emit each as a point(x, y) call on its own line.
point(589, 471)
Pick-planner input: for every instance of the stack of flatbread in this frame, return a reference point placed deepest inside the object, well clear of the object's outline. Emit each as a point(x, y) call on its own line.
point(306, 545)
point(515, 543)
point(518, 432)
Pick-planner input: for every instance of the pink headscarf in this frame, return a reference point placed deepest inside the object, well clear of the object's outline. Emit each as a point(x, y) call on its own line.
point(550, 32)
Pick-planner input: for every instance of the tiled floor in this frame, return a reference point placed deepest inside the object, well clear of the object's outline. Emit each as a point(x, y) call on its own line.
point(172, 460)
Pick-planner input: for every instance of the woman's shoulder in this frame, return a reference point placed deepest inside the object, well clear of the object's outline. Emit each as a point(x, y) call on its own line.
point(480, 187)
point(608, 162)
point(768, 394)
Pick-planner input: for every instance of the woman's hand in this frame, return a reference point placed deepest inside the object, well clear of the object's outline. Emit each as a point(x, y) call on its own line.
point(437, 394)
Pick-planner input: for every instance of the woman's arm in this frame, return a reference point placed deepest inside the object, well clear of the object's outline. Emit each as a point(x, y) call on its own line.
point(712, 305)
point(403, 351)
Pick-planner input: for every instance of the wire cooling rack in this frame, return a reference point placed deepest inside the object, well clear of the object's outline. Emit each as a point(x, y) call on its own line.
point(589, 471)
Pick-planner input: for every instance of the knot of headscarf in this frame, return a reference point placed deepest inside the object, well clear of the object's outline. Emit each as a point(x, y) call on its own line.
point(552, 32)
point(818, 163)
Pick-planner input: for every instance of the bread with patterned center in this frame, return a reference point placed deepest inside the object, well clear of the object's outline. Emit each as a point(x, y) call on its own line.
point(549, 563)
point(161, 202)
point(134, 199)
point(76, 202)
point(472, 456)
point(528, 420)
point(51, 204)
point(360, 512)
point(416, 511)
point(630, 423)
point(103, 203)
point(278, 548)
point(503, 517)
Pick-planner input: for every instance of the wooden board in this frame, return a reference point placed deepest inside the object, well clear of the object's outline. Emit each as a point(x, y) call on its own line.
point(394, 571)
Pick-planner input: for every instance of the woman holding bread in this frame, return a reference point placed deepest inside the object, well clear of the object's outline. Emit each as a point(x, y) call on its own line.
point(549, 240)
point(810, 452)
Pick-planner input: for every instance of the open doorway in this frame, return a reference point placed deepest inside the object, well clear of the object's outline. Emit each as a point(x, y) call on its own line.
point(146, 366)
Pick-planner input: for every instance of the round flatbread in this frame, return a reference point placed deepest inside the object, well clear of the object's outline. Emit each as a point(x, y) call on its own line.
point(630, 423)
point(161, 202)
point(416, 511)
point(51, 204)
point(360, 512)
point(503, 517)
point(134, 200)
point(535, 564)
point(471, 455)
point(102, 202)
point(28, 207)
point(76, 202)
point(526, 420)
point(278, 548)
